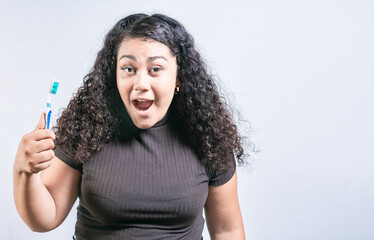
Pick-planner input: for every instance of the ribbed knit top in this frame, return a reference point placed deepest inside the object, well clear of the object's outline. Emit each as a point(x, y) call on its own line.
point(151, 186)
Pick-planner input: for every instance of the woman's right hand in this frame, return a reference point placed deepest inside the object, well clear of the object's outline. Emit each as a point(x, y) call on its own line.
point(35, 152)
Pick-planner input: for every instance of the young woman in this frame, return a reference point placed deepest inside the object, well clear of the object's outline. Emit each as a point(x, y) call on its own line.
point(146, 144)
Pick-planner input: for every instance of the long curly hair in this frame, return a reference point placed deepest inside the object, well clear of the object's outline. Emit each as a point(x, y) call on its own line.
point(94, 115)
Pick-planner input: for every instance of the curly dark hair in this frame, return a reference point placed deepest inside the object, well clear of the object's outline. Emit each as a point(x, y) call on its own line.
point(95, 113)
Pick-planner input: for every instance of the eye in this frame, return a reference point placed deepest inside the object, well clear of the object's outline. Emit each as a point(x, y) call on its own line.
point(128, 69)
point(155, 69)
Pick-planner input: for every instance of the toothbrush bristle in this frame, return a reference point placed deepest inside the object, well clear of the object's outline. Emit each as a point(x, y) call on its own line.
point(54, 87)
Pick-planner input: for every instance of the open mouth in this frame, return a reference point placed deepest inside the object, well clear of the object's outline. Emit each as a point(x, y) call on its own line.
point(142, 105)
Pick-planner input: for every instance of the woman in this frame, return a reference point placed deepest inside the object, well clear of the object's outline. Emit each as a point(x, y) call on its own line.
point(146, 144)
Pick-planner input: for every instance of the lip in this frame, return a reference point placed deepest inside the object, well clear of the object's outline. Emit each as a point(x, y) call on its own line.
point(141, 98)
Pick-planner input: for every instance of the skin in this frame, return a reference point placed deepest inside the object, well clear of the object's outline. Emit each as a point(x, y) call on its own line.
point(222, 212)
point(145, 69)
point(43, 201)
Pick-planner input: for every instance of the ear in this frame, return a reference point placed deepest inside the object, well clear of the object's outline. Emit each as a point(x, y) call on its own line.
point(177, 83)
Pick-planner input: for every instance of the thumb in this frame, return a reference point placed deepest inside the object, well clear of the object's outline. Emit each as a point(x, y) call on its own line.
point(41, 123)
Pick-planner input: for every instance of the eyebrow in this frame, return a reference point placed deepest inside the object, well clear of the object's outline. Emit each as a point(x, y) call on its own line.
point(150, 59)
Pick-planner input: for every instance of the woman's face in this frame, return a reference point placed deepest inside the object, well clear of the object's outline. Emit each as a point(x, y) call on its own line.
point(146, 79)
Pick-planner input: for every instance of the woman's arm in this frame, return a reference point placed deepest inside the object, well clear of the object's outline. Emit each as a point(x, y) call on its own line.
point(43, 201)
point(222, 212)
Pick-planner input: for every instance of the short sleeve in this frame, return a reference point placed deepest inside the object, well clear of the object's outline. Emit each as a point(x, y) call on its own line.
point(67, 158)
point(221, 177)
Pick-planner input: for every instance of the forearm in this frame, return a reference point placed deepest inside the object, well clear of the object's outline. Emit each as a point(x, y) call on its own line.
point(33, 201)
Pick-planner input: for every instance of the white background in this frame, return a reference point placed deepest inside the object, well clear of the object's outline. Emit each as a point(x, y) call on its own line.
point(300, 71)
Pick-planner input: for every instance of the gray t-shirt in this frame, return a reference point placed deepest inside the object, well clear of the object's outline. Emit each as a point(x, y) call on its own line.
point(152, 186)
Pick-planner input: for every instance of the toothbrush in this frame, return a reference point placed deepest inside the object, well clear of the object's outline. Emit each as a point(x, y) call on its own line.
point(52, 90)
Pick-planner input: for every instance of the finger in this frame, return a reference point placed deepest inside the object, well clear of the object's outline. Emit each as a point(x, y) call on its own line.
point(42, 157)
point(41, 123)
point(41, 134)
point(43, 145)
point(40, 167)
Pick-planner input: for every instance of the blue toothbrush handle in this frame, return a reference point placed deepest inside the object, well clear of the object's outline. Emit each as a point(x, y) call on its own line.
point(48, 117)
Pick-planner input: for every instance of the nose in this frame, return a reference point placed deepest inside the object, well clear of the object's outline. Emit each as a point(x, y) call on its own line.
point(141, 82)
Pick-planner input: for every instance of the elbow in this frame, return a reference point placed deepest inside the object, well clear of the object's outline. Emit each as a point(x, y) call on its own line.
point(38, 229)
point(39, 225)
point(238, 235)
point(41, 228)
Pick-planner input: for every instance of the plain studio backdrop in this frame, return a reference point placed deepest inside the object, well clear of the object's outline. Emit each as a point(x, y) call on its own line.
point(300, 71)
